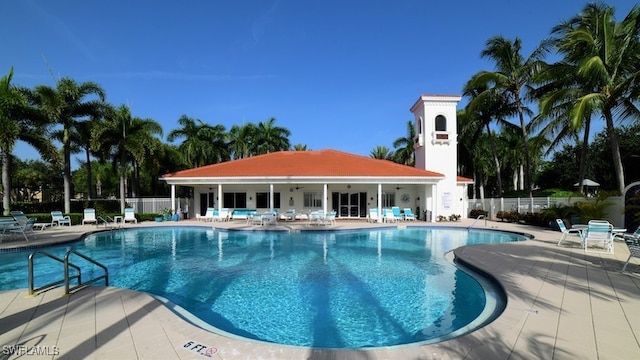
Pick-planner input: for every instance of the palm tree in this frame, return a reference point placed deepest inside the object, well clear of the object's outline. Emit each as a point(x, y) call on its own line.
point(19, 121)
point(203, 144)
point(300, 147)
point(510, 81)
point(605, 53)
point(381, 152)
point(272, 138)
point(67, 105)
point(484, 108)
point(405, 153)
point(557, 97)
point(242, 140)
point(123, 139)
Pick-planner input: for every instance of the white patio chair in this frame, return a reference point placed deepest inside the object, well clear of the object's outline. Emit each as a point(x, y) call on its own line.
point(600, 233)
point(89, 216)
point(24, 229)
point(566, 232)
point(130, 215)
point(57, 218)
point(373, 215)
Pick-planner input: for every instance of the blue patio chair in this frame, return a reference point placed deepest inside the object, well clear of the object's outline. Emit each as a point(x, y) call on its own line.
point(408, 214)
point(57, 218)
point(396, 212)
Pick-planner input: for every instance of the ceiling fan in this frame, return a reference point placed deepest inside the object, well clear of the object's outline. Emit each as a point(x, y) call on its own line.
point(296, 188)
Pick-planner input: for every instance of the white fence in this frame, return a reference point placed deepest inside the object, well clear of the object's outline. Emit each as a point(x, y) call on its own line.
point(157, 205)
point(615, 213)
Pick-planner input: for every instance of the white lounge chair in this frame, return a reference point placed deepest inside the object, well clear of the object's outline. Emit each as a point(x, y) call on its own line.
point(130, 215)
point(373, 215)
point(23, 229)
point(19, 217)
point(330, 218)
point(57, 218)
point(89, 216)
point(289, 215)
point(388, 216)
point(221, 215)
point(599, 232)
point(315, 217)
point(208, 215)
point(565, 232)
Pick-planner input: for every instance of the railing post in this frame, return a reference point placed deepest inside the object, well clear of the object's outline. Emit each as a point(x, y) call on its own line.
point(31, 287)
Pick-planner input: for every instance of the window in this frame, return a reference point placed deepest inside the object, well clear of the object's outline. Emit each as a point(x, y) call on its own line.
point(312, 200)
point(262, 200)
point(234, 200)
point(388, 199)
point(441, 123)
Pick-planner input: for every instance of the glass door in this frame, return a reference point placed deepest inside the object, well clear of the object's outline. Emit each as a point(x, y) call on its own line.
point(350, 205)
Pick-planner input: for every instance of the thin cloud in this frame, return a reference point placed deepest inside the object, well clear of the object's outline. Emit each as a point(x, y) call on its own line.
point(60, 27)
point(259, 26)
point(166, 75)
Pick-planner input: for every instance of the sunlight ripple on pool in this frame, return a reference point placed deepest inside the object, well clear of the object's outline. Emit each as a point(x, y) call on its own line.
point(331, 289)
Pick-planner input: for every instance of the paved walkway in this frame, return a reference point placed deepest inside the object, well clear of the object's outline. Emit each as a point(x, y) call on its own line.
point(562, 304)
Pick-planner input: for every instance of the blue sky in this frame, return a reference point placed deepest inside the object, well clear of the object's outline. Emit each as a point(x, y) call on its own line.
point(338, 74)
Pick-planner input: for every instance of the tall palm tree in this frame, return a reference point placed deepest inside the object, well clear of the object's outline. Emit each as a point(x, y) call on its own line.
point(242, 140)
point(69, 104)
point(300, 147)
point(510, 81)
point(203, 143)
point(381, 152)
point(483, 109)
point(272, 138)
point(558, 94)
point(19, 121)
point(606, 54)
point(126, 139)
point(405, 152)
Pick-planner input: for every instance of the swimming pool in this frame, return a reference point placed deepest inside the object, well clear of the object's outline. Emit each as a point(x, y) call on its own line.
point(327, 289)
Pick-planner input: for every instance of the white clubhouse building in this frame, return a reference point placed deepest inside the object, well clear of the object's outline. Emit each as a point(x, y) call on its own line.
point(346, 183)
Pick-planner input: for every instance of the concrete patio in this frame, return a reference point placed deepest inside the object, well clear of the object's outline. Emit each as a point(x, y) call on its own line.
point(563, 303)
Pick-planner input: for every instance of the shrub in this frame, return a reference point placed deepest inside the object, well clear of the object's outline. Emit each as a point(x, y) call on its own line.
point(477, 212)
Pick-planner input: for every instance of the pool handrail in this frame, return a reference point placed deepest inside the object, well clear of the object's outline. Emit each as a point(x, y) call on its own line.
point(480, 217)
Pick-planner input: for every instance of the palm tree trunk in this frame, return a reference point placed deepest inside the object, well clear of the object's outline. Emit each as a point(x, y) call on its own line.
point(527, 154)
point(67, 177)
point(123, 179)
point(6, 184)
point(494, 150)
point(615, 150)
point(89, 179)
point(583, 155)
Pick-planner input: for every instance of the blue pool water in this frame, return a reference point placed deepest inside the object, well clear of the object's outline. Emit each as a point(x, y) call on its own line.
point(329, 289)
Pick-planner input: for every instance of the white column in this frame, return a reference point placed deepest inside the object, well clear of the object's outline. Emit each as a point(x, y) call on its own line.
point(324, 197)
point(379, 203)
point(219, 197)
point(173, 199)
point(435, 201)
point(271, 198)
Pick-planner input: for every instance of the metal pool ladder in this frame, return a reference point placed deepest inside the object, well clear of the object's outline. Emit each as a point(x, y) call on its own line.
point(480, 217)
point(67, 276)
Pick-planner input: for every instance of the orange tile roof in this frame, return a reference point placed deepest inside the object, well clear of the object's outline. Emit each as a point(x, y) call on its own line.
point(321, 163)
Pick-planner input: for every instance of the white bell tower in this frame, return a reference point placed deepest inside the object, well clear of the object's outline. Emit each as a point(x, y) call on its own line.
point(435, 147)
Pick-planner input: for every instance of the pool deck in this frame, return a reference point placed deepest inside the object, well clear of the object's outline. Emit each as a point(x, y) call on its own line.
point(563, 303)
